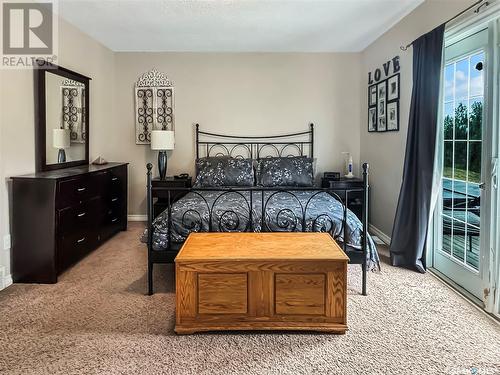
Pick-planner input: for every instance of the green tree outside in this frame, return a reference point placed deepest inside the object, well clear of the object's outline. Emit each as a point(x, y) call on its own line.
point(474, 127)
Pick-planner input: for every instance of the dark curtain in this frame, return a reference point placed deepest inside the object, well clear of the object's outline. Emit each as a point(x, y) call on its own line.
point(412, 215)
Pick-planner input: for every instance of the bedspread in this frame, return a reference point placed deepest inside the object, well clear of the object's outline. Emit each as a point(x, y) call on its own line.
point(210, 210)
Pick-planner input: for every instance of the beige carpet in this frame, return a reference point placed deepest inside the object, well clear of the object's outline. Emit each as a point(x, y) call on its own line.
point(97, 320)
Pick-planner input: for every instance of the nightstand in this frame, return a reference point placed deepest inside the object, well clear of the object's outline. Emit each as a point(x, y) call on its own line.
point(162, 196)
point(355, 199)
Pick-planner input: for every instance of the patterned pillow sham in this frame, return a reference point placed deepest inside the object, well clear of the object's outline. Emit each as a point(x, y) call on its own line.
point(285, 171)
point(224, 171)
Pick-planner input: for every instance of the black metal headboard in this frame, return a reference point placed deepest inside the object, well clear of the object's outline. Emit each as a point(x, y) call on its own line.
point(255, 147)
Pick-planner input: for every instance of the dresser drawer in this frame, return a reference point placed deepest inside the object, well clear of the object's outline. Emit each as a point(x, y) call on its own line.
point(114, 206)
point(113, 221)
point(115, 201)
point(75, 246)
point(84, 215)
point(74, 191)
point(113, 216)
point(116, 179)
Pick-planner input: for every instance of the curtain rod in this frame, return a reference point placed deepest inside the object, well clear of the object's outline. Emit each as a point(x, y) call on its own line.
point(485, 4)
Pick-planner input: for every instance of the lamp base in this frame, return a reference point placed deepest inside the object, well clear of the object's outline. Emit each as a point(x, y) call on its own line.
point(61, 156)
point(162, 164)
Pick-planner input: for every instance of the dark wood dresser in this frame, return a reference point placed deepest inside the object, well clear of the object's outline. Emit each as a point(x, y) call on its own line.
point(60, 216)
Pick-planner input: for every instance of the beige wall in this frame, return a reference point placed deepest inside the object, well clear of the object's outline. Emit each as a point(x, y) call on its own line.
point(77, 52)
point(245, 93)
point(385, 151)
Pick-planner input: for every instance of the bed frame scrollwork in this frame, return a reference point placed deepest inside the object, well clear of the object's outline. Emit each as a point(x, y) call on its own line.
point(244, 217)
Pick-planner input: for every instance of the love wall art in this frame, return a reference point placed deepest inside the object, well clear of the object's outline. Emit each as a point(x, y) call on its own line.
point(383, 97)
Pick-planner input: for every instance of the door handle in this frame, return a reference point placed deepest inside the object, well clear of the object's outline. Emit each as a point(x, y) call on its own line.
point(494, 174)
point(81, 240)
point(80, 190)
point(82, 214)
point(482, 185)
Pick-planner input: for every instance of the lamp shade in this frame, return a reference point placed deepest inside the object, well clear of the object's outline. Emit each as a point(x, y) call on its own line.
point(60, 138)
point(162, 140)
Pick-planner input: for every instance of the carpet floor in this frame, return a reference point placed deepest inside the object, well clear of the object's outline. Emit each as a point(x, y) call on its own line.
point(98, 320)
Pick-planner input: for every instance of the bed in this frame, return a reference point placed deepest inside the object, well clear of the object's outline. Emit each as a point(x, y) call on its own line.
point(269, 208)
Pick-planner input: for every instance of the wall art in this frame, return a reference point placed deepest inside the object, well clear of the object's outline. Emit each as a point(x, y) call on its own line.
point(383, 97)
point(154, 105)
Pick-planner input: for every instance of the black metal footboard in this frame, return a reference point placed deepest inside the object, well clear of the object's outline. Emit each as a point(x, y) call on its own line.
point(248, 209)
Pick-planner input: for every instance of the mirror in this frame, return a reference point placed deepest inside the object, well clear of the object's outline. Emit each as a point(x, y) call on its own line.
point(62, 118)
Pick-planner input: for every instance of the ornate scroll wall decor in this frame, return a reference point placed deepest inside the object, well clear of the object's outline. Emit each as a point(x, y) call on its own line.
point(73, 109)
point(154, 105)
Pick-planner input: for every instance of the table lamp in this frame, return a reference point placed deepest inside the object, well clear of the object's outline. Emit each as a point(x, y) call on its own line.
point(162, 140)
point(61, 140)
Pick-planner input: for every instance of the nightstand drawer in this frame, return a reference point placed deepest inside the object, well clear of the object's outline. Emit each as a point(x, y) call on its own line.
point(169, 192)
point(350, 191)
point(342, 184)
point(171, 183)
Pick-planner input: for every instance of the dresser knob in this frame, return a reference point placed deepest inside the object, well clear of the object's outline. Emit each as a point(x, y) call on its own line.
point(81, 190)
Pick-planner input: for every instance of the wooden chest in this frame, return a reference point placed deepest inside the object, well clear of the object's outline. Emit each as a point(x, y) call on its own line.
point(261, 281)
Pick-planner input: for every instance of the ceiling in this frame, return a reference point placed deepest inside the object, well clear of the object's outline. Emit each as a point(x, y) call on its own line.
point(236, 25)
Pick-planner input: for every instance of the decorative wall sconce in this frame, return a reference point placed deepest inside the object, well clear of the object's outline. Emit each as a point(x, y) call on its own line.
point(154, 105)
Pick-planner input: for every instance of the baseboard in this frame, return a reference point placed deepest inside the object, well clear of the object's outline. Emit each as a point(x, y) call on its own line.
point(5, 280)
point(377, 232)
point(137, 217)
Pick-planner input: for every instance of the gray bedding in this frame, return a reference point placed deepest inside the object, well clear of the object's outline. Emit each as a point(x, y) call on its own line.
point(283, 212)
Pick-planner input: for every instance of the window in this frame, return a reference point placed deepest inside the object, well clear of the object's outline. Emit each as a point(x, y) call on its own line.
point(462, 128)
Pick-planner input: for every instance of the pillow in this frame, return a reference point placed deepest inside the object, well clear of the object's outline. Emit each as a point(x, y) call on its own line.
point(285, 171)
point(224, 171)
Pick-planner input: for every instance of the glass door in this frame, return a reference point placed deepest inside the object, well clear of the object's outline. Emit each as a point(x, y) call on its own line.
point(460, 243)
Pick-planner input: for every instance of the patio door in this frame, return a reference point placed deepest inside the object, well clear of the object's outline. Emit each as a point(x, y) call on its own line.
point(460, 224)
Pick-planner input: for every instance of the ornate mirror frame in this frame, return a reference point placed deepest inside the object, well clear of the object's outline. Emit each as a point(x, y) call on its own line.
point(40, 115)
